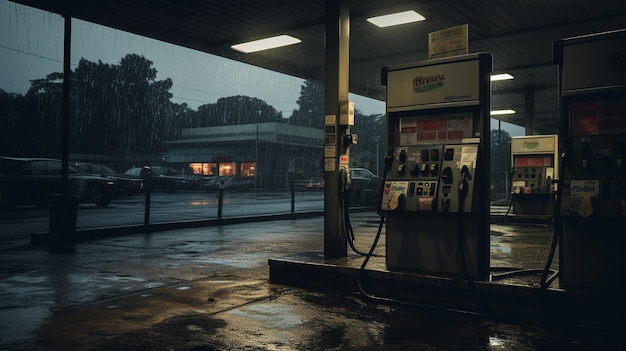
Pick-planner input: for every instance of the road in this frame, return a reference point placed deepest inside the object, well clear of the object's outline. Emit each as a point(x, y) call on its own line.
point(17, 224)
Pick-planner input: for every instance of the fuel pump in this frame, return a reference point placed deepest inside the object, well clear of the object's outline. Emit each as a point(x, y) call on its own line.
point(534, 177)
point(592, 212)
point(436, 188)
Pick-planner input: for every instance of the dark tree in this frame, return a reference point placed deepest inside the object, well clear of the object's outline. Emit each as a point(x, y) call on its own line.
point(29, 125)
point(500, 151)
point(236, 110)
point(310, 112)
point(116, 110)
point(370, 131)
point(119, 110)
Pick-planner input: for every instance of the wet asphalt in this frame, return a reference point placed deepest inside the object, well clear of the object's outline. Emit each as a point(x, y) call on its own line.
point(208, 289)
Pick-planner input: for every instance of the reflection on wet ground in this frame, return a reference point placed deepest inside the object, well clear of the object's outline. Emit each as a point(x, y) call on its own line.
point(207, 289)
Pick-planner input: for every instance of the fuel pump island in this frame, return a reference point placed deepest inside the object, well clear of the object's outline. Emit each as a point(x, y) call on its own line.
point(435, 198)
point(592, 212)
point(436, 189)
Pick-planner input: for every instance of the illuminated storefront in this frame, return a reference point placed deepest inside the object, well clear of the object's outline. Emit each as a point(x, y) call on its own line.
point(265, 150)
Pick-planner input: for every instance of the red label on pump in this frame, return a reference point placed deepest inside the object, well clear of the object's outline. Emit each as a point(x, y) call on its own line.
point(529, 162)
point(598, 117)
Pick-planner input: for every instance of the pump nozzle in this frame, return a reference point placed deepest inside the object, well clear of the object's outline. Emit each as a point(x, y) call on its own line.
point(463, 188)
point(465, 173)
point(389, 158)
point(344, 181)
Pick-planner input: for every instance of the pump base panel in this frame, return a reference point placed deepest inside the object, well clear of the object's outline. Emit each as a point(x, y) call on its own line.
point(444, 245)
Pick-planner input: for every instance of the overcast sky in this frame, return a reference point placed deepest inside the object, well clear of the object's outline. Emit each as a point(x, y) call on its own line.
point(31, 46)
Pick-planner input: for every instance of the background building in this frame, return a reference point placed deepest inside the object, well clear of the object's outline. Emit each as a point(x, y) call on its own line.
point(275, 153)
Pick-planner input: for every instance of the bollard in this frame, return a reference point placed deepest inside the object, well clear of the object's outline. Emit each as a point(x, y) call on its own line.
point(293, 198)
point(220, 198)
point(146, 179)
point(146, 211)
point(62, 224)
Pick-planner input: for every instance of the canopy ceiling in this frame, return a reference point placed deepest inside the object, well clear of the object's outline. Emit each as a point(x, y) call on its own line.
point(518, 33)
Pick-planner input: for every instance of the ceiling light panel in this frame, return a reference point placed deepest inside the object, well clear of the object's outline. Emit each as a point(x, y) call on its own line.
point(395, 19)
point(266, 44)
point(501, 76)
point(502, 112)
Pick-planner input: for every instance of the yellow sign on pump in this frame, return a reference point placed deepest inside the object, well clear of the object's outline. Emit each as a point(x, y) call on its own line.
point(346, 113)
point(448, 42)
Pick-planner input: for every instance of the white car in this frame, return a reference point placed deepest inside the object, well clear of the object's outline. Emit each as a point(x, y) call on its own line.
point(365, 187)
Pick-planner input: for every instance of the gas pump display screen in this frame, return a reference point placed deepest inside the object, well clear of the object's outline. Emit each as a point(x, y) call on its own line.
point(435, 129)
point(533, 161)
point(598, 117)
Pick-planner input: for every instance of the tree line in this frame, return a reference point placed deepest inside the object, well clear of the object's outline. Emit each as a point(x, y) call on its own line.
point(121, 110)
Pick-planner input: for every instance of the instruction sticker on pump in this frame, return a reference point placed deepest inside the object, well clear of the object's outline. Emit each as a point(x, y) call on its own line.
point(330, 151)
point(469, 154)
point(582, 193)
point(393, 193)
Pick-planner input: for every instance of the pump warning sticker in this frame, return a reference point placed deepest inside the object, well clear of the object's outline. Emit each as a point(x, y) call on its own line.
point(393, 195)
point(581, 195)
point(330, 164)
point(582, 187)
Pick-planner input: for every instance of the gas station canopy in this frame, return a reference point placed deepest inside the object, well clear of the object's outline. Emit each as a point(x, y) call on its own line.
point(519, 34)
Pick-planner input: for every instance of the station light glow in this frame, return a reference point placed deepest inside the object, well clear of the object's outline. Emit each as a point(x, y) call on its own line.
point(397, 18)
point(265, 44)
point(502, 112)
point(501, 76)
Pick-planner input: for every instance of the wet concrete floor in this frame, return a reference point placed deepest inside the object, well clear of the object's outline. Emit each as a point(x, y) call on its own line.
point(208, 289)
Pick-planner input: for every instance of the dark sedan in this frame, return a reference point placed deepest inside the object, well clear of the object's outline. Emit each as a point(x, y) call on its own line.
point(124, 184)
point(230, 183)
point(162, 178)
point(32, 181)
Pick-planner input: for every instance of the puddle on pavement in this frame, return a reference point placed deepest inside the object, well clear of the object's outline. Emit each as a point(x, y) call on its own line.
point(16, 324)
point(118, 278)
point(500, 248)
point(154, 285)
point(272, 315)
point(242, 261)
point(28, 279)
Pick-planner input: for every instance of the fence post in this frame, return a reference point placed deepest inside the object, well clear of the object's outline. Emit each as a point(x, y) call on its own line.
point(220, 200)
point(293, 198)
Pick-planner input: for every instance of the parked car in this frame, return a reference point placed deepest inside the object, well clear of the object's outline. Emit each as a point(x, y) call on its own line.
point(365, 187)
point(163, 178)
point(315, 183)
point(31, 181)
point(240, 183)
point(195, 181)
point(124, 184)
point(213, 183)
point(230, 183)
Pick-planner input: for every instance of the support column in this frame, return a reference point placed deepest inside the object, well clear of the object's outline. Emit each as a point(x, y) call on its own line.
point(336, 91)
point(64, 207)
point(529, 107)
point(65, 118)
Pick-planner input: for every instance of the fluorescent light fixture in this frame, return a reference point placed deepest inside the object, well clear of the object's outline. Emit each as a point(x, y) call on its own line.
point(501, 76)
point(502, 112)
point(265, 44)
point(397, 18)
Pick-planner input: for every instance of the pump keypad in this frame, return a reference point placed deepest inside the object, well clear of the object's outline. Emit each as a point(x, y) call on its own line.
point(418, 174)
